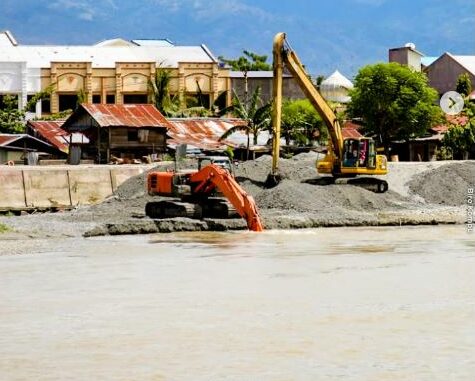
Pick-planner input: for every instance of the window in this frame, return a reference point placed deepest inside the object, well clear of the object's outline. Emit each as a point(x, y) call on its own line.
point(33, 106)
point(220, 101)
point(371, 155)
point(110, 99)
point(96, 98)
point(132, 135)
point(45, 106)
point(135, 98)
point(350, 152)
point(198, 100)
point(67, 101)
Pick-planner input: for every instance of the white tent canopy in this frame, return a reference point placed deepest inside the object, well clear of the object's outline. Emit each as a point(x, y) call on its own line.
point(335, 88)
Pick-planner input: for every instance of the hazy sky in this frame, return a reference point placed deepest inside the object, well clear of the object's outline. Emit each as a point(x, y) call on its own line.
point(327, 35)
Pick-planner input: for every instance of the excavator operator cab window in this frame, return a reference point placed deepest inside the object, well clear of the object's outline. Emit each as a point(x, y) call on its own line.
point(220, 161)
point(371, 155)
point(363, 153)
point(351, 155)
point(359, 153)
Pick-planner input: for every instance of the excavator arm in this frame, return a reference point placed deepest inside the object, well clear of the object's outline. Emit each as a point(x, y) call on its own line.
point(213, 176)
point(345, 158)
point(284, 55)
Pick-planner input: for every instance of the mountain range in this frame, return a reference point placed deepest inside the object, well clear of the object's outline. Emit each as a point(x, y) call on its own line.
point(343, 35)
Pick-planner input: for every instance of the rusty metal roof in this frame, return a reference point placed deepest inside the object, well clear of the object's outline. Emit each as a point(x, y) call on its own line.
point(350, 130)
point(128, 115)
point(204, 133)
point(52, 132)
point(450, 120)
point(6, 139)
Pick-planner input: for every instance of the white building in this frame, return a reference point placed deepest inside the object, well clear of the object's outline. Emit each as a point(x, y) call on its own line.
point(113, 71)
point(17, 76)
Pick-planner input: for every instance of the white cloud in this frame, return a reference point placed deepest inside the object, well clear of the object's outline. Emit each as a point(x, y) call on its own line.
point(82, 8)
point(88, 16)
point(204, 9)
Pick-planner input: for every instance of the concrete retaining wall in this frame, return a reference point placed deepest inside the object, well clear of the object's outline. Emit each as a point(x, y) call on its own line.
point(24, 187)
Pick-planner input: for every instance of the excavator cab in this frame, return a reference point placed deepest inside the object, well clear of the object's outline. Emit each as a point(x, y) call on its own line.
point(359, 157)
point(220, 161)
point(359, 153)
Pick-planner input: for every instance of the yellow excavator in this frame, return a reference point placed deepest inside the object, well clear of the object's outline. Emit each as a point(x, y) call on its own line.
point(345, 158)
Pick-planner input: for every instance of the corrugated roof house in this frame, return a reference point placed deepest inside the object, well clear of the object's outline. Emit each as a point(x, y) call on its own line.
point(19, 147)
point(119, 131)
point(204, 133)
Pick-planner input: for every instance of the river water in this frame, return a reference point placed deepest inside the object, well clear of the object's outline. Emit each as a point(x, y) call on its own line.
point(325, 304)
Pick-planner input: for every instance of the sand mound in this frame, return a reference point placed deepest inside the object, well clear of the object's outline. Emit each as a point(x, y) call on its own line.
point(446, 185)
point(299, 167)
point(302, 197)
point(294, 198)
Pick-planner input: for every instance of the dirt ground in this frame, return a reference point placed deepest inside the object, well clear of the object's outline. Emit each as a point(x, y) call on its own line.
point(419, 193)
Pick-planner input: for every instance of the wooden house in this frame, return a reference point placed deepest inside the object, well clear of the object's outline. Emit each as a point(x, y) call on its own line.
point(125, 132)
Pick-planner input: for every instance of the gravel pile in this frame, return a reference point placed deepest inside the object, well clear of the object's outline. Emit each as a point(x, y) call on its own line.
point(446, 185)
point(302, 197)
point(420, 193)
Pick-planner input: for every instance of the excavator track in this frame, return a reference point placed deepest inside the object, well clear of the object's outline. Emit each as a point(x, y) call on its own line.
point(368, 183)
point(219, 208)
point(172, 208)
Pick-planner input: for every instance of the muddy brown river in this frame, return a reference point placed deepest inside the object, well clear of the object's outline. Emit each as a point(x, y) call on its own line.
point(326, 304)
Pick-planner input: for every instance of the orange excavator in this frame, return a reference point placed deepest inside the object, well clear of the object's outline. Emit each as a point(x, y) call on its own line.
point(195, 195)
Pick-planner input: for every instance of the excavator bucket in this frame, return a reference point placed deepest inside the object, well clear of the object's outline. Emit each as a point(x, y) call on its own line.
point(272, 180)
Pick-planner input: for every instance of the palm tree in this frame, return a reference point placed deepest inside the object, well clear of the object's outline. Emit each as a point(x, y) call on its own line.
point(159, 90)
point(255, 116)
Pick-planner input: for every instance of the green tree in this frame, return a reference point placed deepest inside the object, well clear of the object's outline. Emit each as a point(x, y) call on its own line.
point(256, 117)
point(12, 120)
point(192, 106)
point(460, 136)
point(301, 122)
point(81, 98)
point(464, 85)
point(40, 95)
point(61, 115)
point(394, 102)
point(318, 80)
point(159, 89)
point(248, 62)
